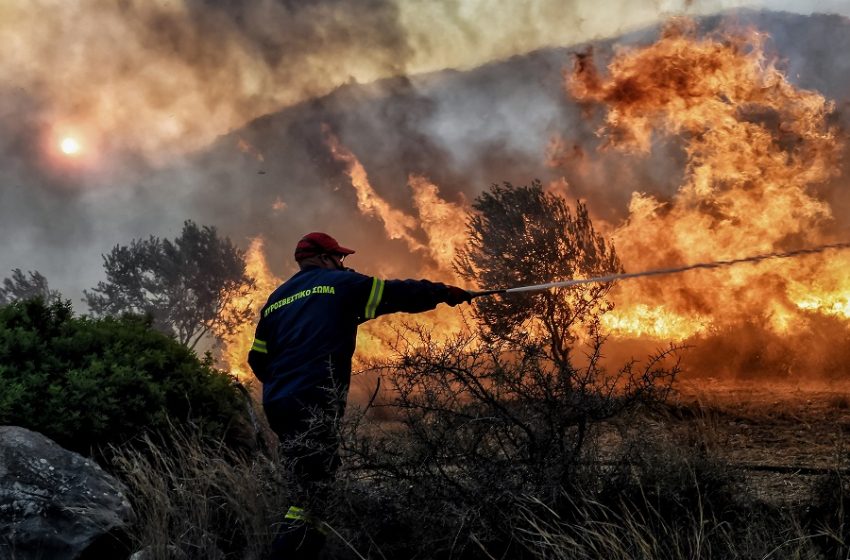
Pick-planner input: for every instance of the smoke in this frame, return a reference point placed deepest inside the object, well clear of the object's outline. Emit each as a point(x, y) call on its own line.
point(213, 111)
point(154, 77)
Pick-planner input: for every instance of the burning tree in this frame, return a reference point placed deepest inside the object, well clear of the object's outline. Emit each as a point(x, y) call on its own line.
point(523, 235)
point(485, 421)
point(185, 285)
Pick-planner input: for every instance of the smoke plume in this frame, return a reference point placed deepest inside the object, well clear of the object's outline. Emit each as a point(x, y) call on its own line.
point(222, 111)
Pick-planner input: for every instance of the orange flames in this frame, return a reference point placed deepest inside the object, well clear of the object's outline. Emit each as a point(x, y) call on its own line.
point(235, 352)
point(439, 222)
point(436, 233)
point(398, 225)
point(443, 223)
point(439, 228)
point(755, 145)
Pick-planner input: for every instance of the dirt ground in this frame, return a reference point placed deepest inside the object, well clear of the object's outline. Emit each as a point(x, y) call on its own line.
point(783, 436)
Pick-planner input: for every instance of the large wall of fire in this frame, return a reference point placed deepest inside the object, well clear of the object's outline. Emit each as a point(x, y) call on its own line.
point(749, 162)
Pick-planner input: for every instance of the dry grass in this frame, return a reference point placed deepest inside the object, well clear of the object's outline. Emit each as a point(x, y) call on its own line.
point(641, 531)
point(198, 499)
point(673, 496)
point(841, 402)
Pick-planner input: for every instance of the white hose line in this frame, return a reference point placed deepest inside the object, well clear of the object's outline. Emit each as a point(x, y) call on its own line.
point(674, 270)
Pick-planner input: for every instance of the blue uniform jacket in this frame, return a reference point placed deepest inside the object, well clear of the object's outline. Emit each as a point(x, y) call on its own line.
point(306, 335)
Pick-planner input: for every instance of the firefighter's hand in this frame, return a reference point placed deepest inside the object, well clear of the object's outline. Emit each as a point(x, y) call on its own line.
point(457, 295)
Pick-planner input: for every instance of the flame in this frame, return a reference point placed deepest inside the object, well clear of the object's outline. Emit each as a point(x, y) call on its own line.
point(440, 223)
point(654, 322)
point(755, 146)
point(397, 224)
point(247, 148)
point(443, 223)
point(235, 352)
point(829, 290)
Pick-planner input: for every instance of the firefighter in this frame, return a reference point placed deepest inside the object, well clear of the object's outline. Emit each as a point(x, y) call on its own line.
point(302, 354)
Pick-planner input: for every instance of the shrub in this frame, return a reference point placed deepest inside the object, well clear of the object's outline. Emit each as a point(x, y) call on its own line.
point(479, 429)
point(89, 383)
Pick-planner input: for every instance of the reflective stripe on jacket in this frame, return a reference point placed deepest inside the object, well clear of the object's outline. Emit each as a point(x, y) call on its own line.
point(307, 330)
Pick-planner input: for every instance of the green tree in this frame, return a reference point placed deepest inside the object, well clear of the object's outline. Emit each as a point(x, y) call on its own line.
point(523, 235)
point(20, 287)
point(88, 383)
point(189, 286)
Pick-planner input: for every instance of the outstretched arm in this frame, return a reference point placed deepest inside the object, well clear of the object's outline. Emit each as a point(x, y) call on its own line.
point(410, 296)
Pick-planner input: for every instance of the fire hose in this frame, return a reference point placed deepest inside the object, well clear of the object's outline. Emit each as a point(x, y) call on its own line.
point(662, 271)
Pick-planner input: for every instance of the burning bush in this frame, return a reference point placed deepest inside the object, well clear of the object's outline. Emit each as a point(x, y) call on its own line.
point(523, 235)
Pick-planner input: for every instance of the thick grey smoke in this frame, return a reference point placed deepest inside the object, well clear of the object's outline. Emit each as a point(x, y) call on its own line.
point(148, 87)
point(464, 131)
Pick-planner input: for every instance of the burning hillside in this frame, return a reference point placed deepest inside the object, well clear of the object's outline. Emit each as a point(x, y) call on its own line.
point(755, 145)
point(756, 152)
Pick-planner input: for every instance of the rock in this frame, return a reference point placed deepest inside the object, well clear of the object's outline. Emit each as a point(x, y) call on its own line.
point(56, 504)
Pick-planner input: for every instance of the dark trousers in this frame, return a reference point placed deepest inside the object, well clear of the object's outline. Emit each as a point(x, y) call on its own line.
point(309, 445)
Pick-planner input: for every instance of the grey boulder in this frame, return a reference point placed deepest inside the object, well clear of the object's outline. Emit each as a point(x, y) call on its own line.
point(54, 503)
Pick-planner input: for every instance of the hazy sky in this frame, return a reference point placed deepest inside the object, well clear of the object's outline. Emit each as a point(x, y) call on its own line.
point(140, 84)
point(154, 77)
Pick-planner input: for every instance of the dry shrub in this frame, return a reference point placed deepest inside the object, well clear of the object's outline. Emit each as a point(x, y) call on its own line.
point(841, 402)
point(478, 429)
point(464, 482)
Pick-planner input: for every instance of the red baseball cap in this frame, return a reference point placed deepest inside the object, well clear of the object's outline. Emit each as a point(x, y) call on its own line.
point(318, 243)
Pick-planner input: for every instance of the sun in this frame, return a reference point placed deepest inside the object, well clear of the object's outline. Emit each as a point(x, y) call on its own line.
point(69, 146)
